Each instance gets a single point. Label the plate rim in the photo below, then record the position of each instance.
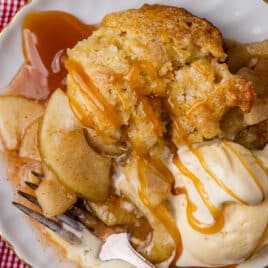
(2, 33)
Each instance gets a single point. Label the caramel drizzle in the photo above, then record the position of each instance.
(246, 166)
(120, 95)
(163, 171)
(260, 163)
(150, 114)
(160, 212)
(133, 78)
(78, 109)
(87, 87)
(176, 124)
(180, 130)
(75, 107)
(191, 208)
(155, 163)
(93, 95)
(213, 175)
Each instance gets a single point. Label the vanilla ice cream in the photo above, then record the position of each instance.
(244, 225)
(234, 180)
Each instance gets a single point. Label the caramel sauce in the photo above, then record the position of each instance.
(156, 163)
(191, 207)
(133, 78)
(144, 157)
(246, 166)
(176, 125)
(94, 96)
(215, 212)
(78, 110)
(150, 114)
(145, 68)
(121, 97)
(92, 92)
(213, 175)
(163, 170)
(160, 212)
(260, 163)
(45, 37)
(180, 130)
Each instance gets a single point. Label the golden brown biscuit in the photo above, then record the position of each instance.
(146, 70)
(159, 26)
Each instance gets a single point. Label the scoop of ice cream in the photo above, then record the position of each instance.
(221, 207)
(235, 180)
(236, 242)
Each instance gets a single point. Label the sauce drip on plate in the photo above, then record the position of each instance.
(45, 38)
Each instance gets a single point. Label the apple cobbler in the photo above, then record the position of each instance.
(154, 126)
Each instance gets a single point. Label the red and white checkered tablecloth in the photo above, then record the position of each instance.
(8, 258)
(8, 9)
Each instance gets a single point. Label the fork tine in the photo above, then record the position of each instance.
(84, 217)
(69, 221)
(32, 185)
(66, 235)
(29, 197)
(62, 218)
(37, 175)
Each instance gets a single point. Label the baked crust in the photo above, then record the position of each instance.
(159, 24)
(158, 70)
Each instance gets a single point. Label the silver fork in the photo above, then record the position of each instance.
(115, 246)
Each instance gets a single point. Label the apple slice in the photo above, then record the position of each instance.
(29, 143)
(162, 243)
(116, 211)
(97, 143)
(53, 197)
(16, 114)
(64, 149)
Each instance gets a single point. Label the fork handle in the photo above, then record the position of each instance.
(117, 247)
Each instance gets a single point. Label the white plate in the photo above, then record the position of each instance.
(243, 20)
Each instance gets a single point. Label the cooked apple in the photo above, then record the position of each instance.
(161, 245)
(29, 143)
(53, 197)
(116, 211)
(16, 114)
(65, 150)
(164, 228)
(112, 150)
